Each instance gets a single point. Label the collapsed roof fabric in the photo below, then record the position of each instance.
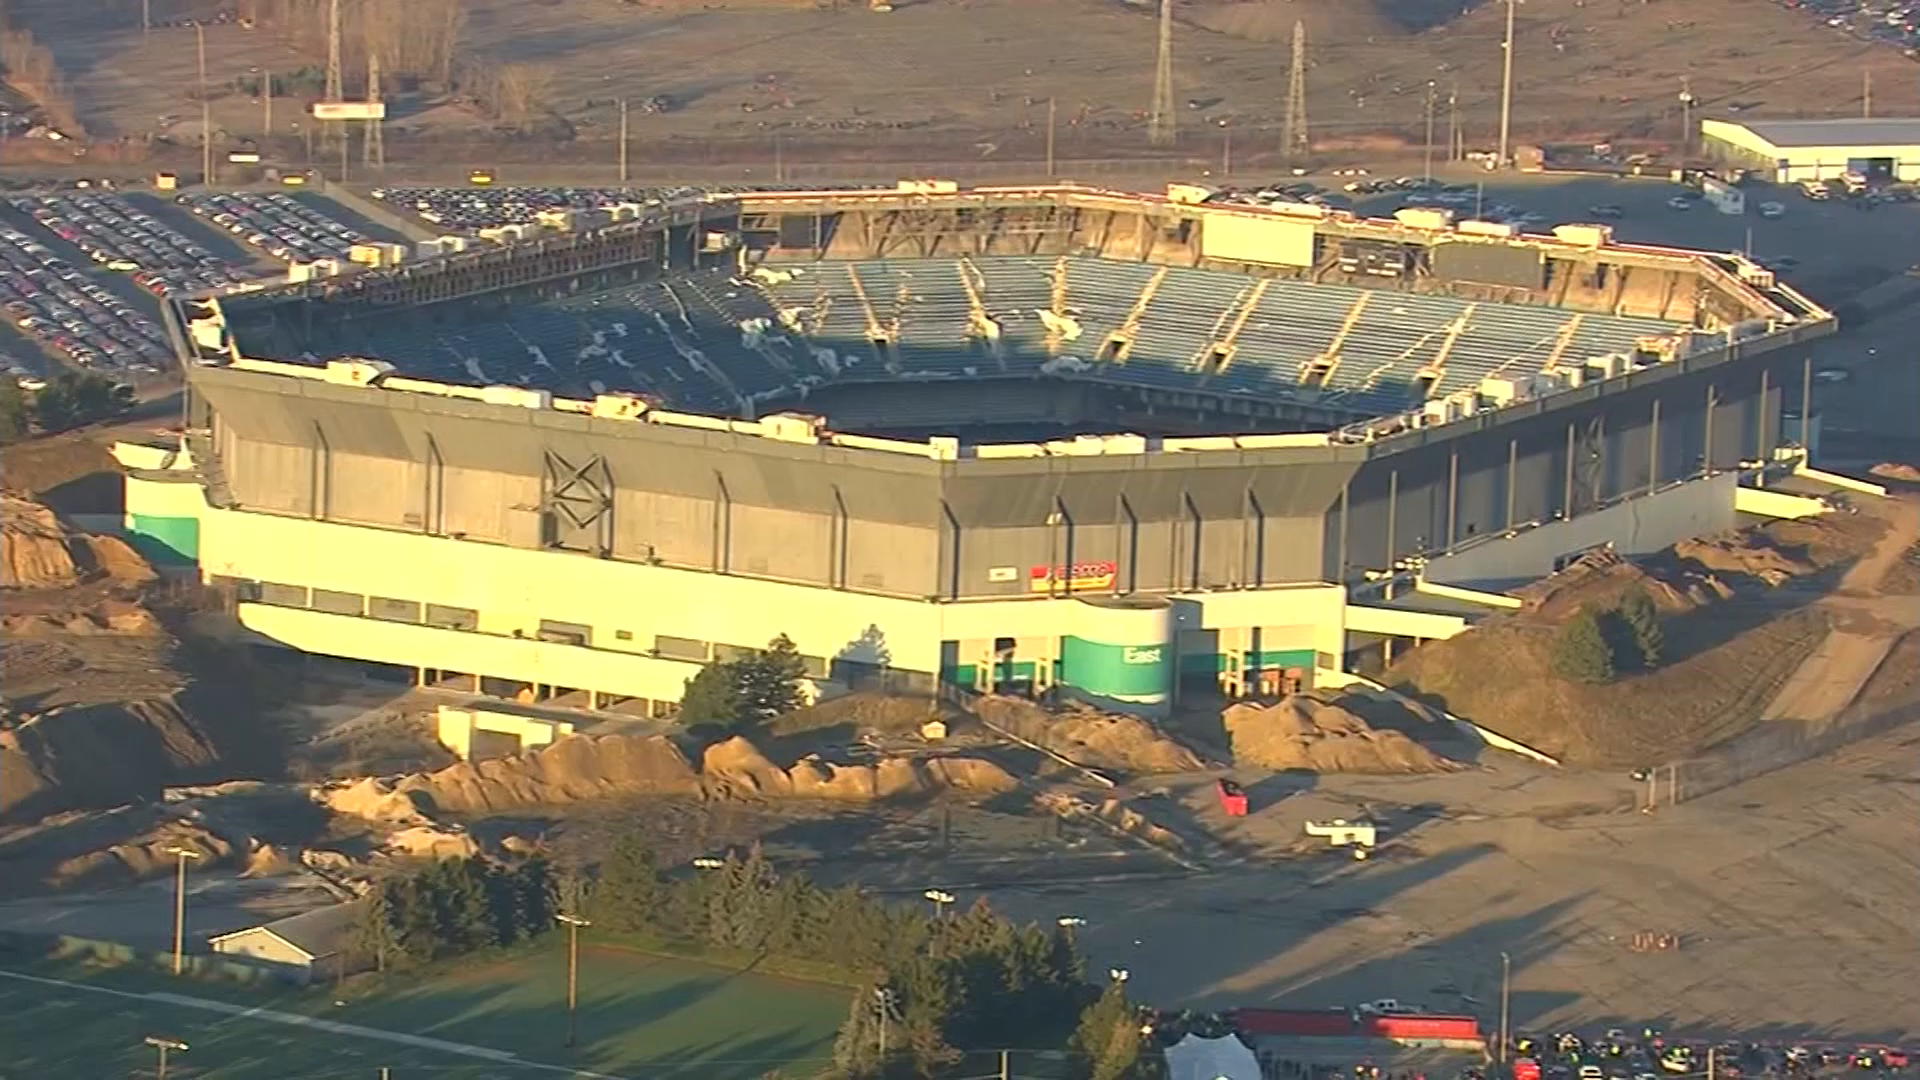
(1227, 1058)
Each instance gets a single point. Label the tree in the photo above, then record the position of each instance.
(73, 398)
(712, 698)
(1581, 651)
(14, 411)
(1642, 622)
(1108, 1038)
(630, 895)
(769, 681)
(374, 933)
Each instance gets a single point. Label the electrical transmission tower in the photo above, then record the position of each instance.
(334, 130)
(1160, 125)
(375, 144)
(1294, 127)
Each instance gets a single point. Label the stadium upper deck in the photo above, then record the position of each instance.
(750, 328)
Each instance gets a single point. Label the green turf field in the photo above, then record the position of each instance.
(639, 1016)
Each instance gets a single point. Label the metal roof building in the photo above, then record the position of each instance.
(1789, 151)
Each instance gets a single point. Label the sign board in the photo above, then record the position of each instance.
(1279, 242)
(1080, 577)
(1001, 575)
(349, 110)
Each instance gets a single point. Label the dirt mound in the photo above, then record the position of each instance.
(373, 799)
(1896, 470)
(432, 842)
(1301, 732)
(39, 551)
(146, 856)
(738, 764)
(1601, 577)
(93, 755)
(1090, 737)
(1748, 552)
(1272, 20)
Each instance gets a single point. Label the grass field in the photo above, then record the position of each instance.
(638, 1015)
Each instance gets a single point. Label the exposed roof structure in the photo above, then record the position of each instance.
(1887, 131)
(319, 933)
(710, 341)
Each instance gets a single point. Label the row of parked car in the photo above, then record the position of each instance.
(470, 209)
(54, 303)
(276, 223)
(118, 235)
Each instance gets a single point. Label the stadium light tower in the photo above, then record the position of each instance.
(1506, 88)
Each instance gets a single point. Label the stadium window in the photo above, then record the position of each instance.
(679, 648)
(729, 653)
(335, 602)
(452, 618)
(279, 595)
(385, 607)
(623, 635)
(565, 633)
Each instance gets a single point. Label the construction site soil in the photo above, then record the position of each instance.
(959, 80)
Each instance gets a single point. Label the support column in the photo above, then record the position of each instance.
(1345, 500)
(1761, 429)
(1393, 515)
(1806, 410)
(1453, 496)
(1653, 450)
(1513, 479)
(1566, 500)
(1713, 399)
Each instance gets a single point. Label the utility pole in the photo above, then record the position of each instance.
(146, 16)
(334, 92)
(623, 140)
(1004, 1073)
(181, 855)
(1866, 94)
(1051, 115)
(1226, 150)
(266, 106)
(206, 111)
(1506, 999)
(1454, 149)
(1160, 123)
(1506, 89)
(1429, 163)
(376, 144)
(574, 923)
(1293, 135)
(1686, 116)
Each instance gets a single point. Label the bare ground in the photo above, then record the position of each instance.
(973, 76)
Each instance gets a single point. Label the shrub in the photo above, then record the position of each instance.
(1642, 622)
(1581, 651)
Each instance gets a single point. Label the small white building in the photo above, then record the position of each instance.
(312, 946)
(1790, 151)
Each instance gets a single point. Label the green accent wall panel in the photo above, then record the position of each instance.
(174, 541)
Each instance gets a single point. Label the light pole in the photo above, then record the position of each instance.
(574, 923)
(940, 899)
(1506, 86)
(1119, 974)
(1686, 117)
(883, 1004)
(181, 855)
(1429, 160)
(1506, 998)
(165, 1044)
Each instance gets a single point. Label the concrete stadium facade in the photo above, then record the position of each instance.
(613, 547)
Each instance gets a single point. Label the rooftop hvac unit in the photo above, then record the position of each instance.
(1424, 217)
(429, 249)
(794, 427)
(1606, 367)
(1299, 210)
(620, 406)
(1464, 402)
(626, 211)
(356, 372)
(553, 219)
(520, 397)
(1503, 390)
(451, 244)
(1591, 236)
(365, 254)
(929, 187)
(1489, 228)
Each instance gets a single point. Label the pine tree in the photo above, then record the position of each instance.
(1642, 620)
(1108, 1038)
(1581, 651)
(769, 682)
(630, 895)
(375, 933)
(712, 700)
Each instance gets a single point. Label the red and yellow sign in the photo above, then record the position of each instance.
(1080, 577)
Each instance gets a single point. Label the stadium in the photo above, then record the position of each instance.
(1126, 446)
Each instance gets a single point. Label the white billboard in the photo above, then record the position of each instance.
(1237, 238)
(349, 110)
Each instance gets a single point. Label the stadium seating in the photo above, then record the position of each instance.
(712, 340)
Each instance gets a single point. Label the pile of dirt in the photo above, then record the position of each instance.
(1601, 577)
(1090, 737)
(1270, 21)
(1897, 470)
(1114, 815)
(99, 755)
(39, 551)
(583, 768)
(1749, 552)
(1304, 732)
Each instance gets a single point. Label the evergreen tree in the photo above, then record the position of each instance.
(1108, 1039)
(375, 934)
(15, 411)
(769, 682)
(630, 895)
(712, 699)
(1642, 622)
(1581, 651)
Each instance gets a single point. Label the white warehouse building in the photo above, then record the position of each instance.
(1790, 151)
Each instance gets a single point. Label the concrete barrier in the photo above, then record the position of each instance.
(1776, 504)
(1865, 487)
(1471, 596)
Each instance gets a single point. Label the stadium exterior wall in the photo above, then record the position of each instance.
(548, 618)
